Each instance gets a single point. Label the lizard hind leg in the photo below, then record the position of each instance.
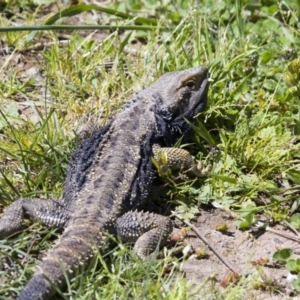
(50, 212)
(146, 230)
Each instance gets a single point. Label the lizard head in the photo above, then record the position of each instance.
(182, 95)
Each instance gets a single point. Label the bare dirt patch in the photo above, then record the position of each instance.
(244, 251)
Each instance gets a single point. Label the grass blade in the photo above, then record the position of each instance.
(78, 9)
(202, 132)
(79, 27)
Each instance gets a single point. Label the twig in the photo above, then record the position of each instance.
(291, 228)
(283, 234)
(201, 237)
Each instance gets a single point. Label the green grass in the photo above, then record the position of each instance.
(252, 119)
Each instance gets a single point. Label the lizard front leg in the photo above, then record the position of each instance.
(50, 212)
(177, 159)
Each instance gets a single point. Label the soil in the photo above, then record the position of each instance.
(249, 253)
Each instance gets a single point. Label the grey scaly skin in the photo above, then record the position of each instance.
(108, 180)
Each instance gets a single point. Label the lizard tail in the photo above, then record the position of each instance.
(75, 246)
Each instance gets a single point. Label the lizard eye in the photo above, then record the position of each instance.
(190, 84)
